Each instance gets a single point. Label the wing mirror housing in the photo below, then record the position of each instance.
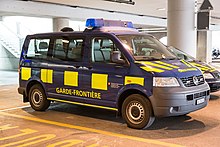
(116, 57)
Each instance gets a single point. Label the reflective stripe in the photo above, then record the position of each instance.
(151, 69)
(187, 69)
(166, 64)
(157, 65)
(99, 81)
(47, 75)
(186, 63)
(71, 78)
(83, 104)
(25, 73)
(134, 80)
(43, 75)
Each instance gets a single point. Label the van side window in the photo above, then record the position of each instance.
(68, 49)
(102, 49)
(38, 48)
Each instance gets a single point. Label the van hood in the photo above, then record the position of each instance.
(204, 67)
(169, 68)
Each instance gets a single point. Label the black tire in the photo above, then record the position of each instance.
(38, 99)
(137, 112)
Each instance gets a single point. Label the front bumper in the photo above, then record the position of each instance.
(179, 100)
(214, 84)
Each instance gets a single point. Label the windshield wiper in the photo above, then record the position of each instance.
(149, 58)
(171, 58)
(156, 58)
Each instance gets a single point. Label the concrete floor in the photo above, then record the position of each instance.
(65, 124)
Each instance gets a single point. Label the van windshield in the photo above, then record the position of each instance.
(145, 47)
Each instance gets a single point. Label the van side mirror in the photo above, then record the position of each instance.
(115, 57)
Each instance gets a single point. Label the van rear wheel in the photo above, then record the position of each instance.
(38, 99)
(137, 112)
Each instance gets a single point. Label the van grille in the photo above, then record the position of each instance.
(197, 95)
(188, 81)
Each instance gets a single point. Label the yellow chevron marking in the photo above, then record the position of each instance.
(203, 69)
(151, 69)
(212, 70)
(186, 63)
(187, 69)
(166, 64)
(211, 67)
(201, 66)
(157, 65)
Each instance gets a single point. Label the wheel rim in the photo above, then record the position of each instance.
(135, 112)
(37, 97)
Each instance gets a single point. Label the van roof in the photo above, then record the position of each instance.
(100, 30)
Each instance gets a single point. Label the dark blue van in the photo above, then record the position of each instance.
(111, 66)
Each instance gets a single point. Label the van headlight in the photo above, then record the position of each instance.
(165, 82)
(208, 75)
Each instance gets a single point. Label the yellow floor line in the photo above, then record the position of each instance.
(150, 141)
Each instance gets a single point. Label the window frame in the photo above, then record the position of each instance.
(37, 57)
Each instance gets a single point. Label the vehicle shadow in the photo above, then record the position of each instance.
(214, 96)
(106, 120)
(184, 122)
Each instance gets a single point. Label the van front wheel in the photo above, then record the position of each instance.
(137, 111)
(38, 99)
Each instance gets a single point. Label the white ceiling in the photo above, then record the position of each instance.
(141, 7)
(83, 9)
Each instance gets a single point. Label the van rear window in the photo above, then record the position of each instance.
(38, 48)
(67, 49)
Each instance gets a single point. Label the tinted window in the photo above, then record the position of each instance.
(68, 49)
(38, 48)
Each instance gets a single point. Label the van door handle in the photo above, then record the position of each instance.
(83, 68)
(71, 67)
(119, 66)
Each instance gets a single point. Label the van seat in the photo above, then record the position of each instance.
(98, 54)
(106, 49)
